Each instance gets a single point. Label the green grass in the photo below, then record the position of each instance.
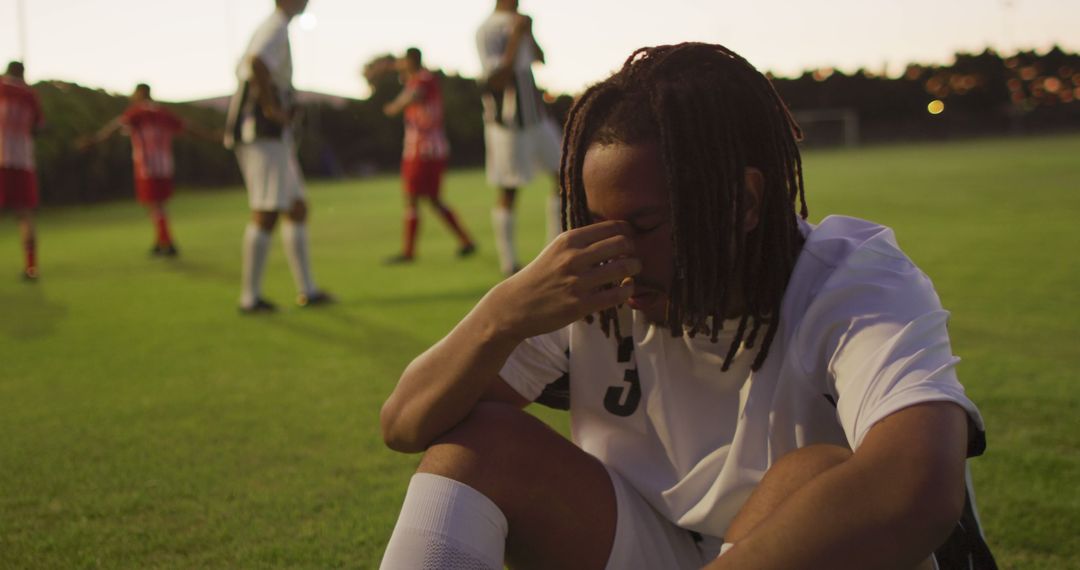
(146, 425)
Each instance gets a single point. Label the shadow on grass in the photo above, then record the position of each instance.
(38, 316)
(424, 297)
(347, 332)
(201, 270)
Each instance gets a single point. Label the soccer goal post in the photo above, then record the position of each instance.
(829, 126)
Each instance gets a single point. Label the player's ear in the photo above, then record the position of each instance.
(754, 187)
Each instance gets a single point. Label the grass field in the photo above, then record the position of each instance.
(144, 424)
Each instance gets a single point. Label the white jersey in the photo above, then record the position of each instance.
(520, 104)
(862, 335)
(269, 43)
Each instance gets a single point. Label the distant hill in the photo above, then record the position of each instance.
(221, 104)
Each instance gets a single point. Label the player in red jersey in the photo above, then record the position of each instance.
(151, 127)
(426, 150)
(20, 116)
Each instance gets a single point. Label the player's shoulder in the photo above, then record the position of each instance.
(496, 22)
(839, 240)
(277, 20)
(274, 27)
(136, 111)
(848, 254)
(16, 89)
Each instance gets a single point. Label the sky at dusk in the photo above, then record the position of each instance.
(188, 49)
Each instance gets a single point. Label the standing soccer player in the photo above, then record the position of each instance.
(20, 116)
(423, 159)
(745, 389)
(151, 127)
(259, 131)
(519, 136)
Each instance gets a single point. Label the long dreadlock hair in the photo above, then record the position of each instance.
(712, 115)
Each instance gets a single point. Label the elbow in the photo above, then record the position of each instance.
(931, 511)
(942, 511)
(396, 433)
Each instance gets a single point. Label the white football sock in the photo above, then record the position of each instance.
(554, 218)
(294, 238)
(444, 525)
(256, 247)
(502, 219)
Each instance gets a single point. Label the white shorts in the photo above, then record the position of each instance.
(645, 540)
(513, 156)
(271, 173)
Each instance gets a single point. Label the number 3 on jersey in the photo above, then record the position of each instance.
(616, 403)
(623, 400)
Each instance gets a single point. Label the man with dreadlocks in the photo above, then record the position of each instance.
(746, 390)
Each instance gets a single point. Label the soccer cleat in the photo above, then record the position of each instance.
(164, 250)
(260, 306)
(30, 274)
(315, 299)
(467, 250)
(398, 259)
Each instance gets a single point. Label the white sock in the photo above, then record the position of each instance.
(554, 218)
(256, 246)
(445, 525)
(502, 219)
(294, 238)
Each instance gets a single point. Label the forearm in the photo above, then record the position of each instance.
(512, 47)
(571, 278)
(265, 92)
(100, 136)
(399, 103)
(888, 506)
(440, 387)
(840, 520)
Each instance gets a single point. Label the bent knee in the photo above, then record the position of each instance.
(299, 211)
(491, 429)
(494, 443)
(265, 220)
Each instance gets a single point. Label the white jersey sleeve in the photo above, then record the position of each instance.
(885, 335)
(537, 363)
(491, 40)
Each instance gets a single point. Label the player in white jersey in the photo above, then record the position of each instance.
(520, 138)
(746, 390)
(258, 130)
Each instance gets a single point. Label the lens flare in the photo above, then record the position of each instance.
(308, 22)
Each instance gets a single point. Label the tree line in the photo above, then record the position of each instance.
(978, 94)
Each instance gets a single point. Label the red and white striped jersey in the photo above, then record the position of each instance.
(151, 128)
(425, 137)
(20, 114)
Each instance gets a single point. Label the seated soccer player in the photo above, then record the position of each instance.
(746, 389)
